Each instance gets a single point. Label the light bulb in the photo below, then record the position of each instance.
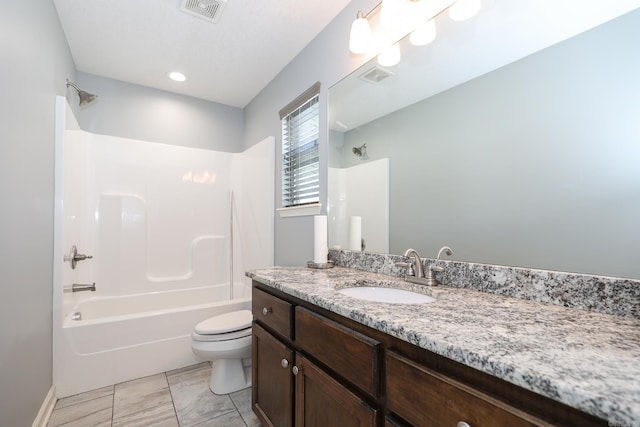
(464, 9)
(392, 14)
(390, 56)
(360, 37)
(424, 34)
(176, 76)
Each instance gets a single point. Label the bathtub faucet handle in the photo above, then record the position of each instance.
(74, 257)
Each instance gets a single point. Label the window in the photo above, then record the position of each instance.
(300, 158)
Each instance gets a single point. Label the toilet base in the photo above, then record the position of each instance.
(230, 375)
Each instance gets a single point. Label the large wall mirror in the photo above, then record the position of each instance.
(512, 149)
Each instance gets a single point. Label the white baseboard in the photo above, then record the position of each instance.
(46, 409)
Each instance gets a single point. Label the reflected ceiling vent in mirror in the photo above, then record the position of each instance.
(375, 75)
(205, 9)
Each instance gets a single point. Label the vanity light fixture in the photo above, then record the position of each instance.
(392, 14)
(390, 56)
(462, 10)
(177, 76)
(360, 36)
(391, 20)
(424, 34)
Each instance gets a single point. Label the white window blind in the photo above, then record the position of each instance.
(300, 157)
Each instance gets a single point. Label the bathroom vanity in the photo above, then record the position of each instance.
(467, 359)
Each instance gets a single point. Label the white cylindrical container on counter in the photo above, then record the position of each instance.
(355, 233)
(320, 248)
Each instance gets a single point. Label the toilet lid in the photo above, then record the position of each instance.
(235, 335)
(228, 322)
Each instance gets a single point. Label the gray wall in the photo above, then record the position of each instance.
(132, 111)
(534, 164)
(325, 59)
(35, 62)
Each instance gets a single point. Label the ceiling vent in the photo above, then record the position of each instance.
(205, 9)
(375, 75)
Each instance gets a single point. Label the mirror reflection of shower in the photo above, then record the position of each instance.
(85, 98)
(360, 151)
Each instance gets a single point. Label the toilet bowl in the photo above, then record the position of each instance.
(225, 340)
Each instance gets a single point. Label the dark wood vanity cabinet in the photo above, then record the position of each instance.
(314, 368)
(288, 387)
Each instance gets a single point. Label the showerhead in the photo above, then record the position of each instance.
(85, 97)
(360, 151)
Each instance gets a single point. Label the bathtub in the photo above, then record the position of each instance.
(126, 337)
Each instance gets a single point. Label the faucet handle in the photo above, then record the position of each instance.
(435, 268)
(407, 265)
(74, 257)
(431, 275)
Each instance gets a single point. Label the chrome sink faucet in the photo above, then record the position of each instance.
(419, 276)
(418, 270)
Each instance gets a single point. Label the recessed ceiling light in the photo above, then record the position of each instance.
(176, 76)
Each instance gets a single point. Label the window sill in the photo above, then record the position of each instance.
(304, 210)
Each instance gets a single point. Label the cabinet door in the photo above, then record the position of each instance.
(321, 401)
(272, 393)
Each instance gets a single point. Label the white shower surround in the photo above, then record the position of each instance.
(360, 190)
(156, 219)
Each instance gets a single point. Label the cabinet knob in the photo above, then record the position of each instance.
(295, 370)
(266, 310)
(463, 424)
(284, 363)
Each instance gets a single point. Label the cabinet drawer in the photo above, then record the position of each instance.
(426, 398)
(350, 354)
(272, 312)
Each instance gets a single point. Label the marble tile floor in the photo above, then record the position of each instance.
(179, 398)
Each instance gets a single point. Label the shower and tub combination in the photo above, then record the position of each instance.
(163, 234)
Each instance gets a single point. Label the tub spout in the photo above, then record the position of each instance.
(78, 287)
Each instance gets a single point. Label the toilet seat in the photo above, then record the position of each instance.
(224, 327)
(222, 337)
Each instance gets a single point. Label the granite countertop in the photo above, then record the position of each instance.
(587, 360)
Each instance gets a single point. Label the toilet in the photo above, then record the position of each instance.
(225, 340)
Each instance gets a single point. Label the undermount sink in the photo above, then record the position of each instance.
(388, 295)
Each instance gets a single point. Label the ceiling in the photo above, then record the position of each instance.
(228, 62)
